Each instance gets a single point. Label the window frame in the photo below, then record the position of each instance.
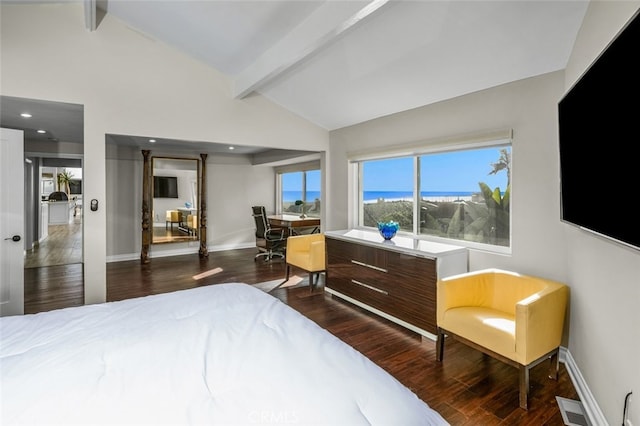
(294, 168)
(497, 139)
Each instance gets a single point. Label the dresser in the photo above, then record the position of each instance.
(395, 279)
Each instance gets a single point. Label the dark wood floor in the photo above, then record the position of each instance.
(466, 389)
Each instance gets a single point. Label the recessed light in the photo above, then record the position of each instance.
(232, 148)
(42, 131)
(26, 115)
(152, 140)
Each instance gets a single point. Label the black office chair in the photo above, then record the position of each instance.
(270, 242)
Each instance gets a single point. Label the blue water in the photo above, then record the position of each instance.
(291, 196)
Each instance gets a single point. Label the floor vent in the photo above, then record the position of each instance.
(572, 412)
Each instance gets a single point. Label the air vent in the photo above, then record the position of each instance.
(572, 412)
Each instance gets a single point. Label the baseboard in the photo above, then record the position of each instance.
(591, 407)
(123, 257)
(177, 252)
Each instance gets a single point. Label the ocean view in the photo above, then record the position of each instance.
(373, 196)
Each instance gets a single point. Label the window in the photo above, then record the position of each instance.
(460, 195)
(297, 186)
(387, 192)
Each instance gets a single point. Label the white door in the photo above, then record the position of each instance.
(11, 222)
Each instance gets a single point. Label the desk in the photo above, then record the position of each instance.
(292, 221)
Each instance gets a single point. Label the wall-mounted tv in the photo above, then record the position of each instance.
(599, 130)
(165, 187)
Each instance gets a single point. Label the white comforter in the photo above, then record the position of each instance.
(220, 354)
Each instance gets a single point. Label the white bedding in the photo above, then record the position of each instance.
(216, 355)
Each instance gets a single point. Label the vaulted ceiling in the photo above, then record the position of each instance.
(339, 63)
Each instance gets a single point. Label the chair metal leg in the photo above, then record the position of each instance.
(314, 277)
(286, 277)
(440, 345)
(554, 365)
(524, 387)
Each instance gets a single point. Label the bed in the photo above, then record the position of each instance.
(216, 355)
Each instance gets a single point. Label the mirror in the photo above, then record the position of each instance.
(174, 200)
(195, 208)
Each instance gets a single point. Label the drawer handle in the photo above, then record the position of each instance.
(370, 287)
(366, 265)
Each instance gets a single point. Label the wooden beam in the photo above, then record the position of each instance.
(315, 33)
(90, 9)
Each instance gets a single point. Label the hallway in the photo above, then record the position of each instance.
(63, 246)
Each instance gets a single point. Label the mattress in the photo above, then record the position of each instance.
(226, 354)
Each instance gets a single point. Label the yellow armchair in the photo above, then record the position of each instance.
(192, 224)
(306, 252)
(173, 216)
(517, 319)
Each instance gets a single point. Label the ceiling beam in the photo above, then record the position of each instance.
(90, 21)
(320, 29)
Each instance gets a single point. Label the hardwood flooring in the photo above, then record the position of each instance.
(163, 234)
(467, 388)
(63, 245)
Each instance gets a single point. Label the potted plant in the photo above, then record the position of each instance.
(302, 205)
(63, 181)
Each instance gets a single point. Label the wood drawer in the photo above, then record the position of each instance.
(357, 252)
(416, 275)
(416, 309)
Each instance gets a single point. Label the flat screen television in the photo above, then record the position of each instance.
(599, 131)
(165, 187)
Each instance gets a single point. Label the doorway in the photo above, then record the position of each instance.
(53, 132)
(59, 211)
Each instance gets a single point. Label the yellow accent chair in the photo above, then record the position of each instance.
(192, 224)
(173, 216)
(307, 252)
(517, 319)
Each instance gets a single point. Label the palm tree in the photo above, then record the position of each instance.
(503, 163)
(63, 181)
(488, 223)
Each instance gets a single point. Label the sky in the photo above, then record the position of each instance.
(452, 171)
(293, 181)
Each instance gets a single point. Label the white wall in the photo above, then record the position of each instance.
(605, 308)
(129, 84)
